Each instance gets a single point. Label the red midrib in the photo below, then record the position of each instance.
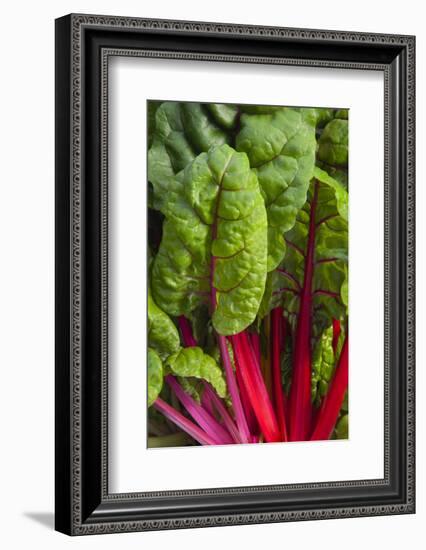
(240, 418)
(300, 393)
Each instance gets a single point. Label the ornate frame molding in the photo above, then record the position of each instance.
(73, 517)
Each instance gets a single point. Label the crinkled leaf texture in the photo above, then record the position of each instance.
(194, 363)
(182, 130)
(163, 335)
(280, 143)
(214, 245)
(333, 143)
(155, 375)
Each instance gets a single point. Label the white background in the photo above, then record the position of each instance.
(26, 229)
(132, 80)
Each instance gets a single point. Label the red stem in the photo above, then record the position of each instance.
(186, 331)
(336, 333)
(330, 408)
(255, 342)
(255, 386)
(233, 391)
(223, 412)
(183, 423)
(248, 410)
(276, 342)
(209, 424)
(300, 392)
(207, 403)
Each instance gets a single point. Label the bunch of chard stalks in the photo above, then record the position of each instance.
(262, 411)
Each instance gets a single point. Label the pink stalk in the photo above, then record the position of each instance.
(233, 391)
(256, 387)
(223, 412)
(255, 342)
(207, 403)
(276, 342)
(300, 392)
(183, 423)
(330, 408)
(248, 410)
(186, 331)
(209, 424)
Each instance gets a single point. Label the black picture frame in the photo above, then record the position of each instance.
(83, 45)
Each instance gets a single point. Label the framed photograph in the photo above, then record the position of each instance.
(234, 274)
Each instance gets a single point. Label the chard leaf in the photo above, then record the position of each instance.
(152, 107)
(260, 109)
(286, 364)
(322, 365)
(224, 114)
(155, 375)
(200, 131)
(330, 255)
(323, 116)
(271, 297)
(333, 143)
(344, 290)
(163, 335)
(342, 427)
(342, 113)
(182, 130)
(194, 363)
(340, 191)
(214, 245)
(280, 144)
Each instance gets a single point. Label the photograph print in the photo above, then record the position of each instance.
(248, 318)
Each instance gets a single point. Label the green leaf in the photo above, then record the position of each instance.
(342, 427)
(322, 365)
(163, 335)
(155, 376)
(214, 236)
(344, 290)
(224, 114)
(287, 364)
(340, 191)
(169, 152)
(200, 130)
(333, 143)
(193, 386)
(152, 107)
(342, 113)
(271, 297)
(281, 148)
(319, 116)
(193, 362)
(259, 109)
(182, 130)
(201, 325)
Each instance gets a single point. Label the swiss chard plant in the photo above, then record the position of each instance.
(248, 274)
